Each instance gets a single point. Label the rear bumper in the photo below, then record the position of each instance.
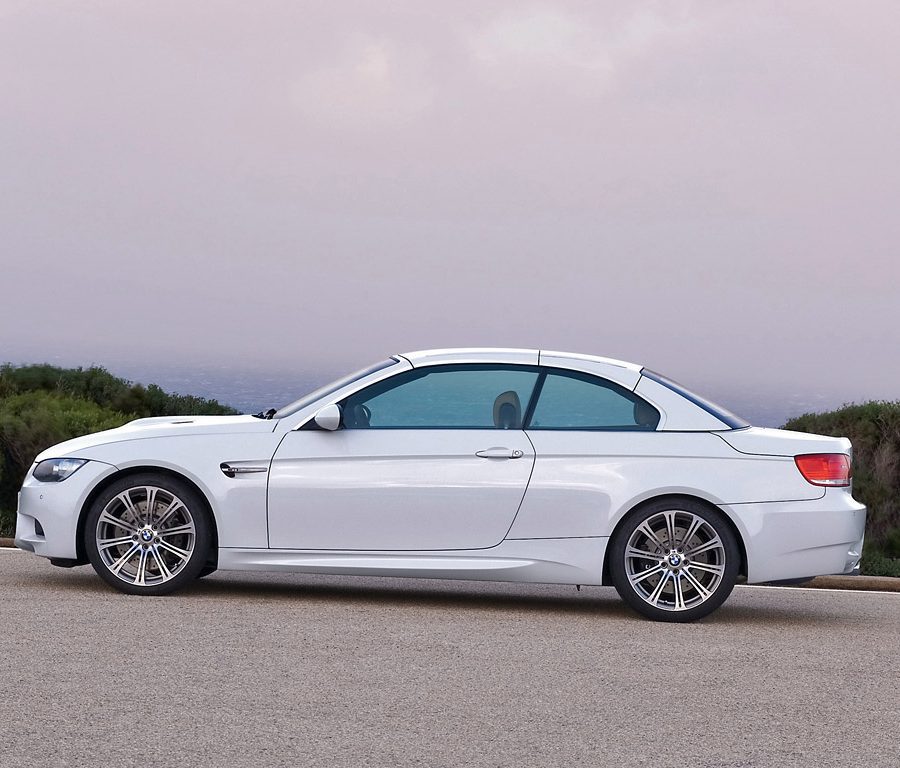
(47, 519)
(801, 539)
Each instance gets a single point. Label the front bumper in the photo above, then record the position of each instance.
(47, 518)
(801, 539)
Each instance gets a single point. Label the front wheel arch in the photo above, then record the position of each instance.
(212, 561)
(675, 498)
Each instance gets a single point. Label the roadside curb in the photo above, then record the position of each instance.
(869, 583)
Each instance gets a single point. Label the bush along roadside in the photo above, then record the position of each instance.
(41, 405)
(874, 430)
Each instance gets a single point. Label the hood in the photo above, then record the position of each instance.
(762, 441)
(159, 426)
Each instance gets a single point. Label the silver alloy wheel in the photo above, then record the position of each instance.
(145, 535)
(675, 560)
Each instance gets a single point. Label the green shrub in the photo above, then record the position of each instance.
(33, 421)
(875, 563)
(41, 405)
(99, 386)
(874, 430)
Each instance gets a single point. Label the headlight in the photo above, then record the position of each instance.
(57, 470)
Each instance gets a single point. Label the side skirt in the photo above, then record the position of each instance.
(543, 561)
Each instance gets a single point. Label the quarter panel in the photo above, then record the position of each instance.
(584, 482)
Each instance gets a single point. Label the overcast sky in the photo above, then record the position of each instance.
(709, 188)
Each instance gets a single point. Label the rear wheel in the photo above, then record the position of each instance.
(148, 534)
(674, 560)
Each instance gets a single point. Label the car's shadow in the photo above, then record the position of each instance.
(600, 602)
(473, 595)
(485, 596)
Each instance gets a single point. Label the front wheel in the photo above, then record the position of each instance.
(674, 560)
(148, 534)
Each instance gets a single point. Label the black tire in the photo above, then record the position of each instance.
(681, 582)
(169, 545)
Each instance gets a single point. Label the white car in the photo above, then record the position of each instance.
(491, 464)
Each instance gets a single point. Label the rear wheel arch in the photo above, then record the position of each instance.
(674, 498)
(144, 469)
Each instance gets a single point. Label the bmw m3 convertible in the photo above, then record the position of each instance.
(492, 464)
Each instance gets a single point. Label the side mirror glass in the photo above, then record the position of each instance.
(328, 417)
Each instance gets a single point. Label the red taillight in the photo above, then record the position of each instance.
(825, 468)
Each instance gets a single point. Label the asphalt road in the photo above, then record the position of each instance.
(251, 670)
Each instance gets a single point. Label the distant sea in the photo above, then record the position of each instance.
(245, 390)
(252, 391)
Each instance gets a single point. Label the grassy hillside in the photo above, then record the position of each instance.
(874, 430)
(41, 405)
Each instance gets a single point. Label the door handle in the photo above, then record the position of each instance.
(499, 453)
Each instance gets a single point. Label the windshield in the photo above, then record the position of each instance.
(321, 392)
(722, 414)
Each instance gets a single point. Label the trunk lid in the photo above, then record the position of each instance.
(762, 441)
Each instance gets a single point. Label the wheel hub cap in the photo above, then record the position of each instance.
(145, 535)
(675, 560)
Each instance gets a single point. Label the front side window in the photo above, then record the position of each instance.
(444, 397)
(576, 401)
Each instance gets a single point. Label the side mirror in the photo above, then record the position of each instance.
(328, 417)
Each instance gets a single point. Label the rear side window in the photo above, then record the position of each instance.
(576, 401)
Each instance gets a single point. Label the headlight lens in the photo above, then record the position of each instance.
(57, 470)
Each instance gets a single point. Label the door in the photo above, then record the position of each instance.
(431, 459)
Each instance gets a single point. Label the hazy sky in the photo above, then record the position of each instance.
(709, 188)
